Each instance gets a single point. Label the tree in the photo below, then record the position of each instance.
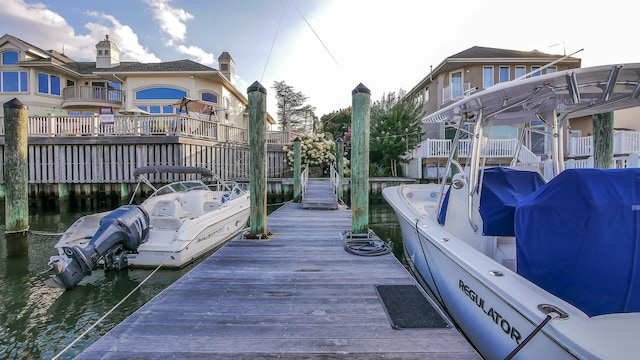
(337, 123)
(293, 113)
(395, 129)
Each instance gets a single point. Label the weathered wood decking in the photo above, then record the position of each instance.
(298, 295)
(320, 195)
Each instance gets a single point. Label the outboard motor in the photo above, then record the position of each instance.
(120, 232)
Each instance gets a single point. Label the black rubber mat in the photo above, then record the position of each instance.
(408, 308)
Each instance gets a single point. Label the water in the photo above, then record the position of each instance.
(38, 322)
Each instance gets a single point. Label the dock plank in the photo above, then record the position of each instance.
(297, 295)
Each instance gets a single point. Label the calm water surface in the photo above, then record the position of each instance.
(38, 322)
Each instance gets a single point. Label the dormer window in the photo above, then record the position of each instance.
(9, 58)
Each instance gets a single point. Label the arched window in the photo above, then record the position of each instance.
(160, 93)
(209, 97)
(9, 58)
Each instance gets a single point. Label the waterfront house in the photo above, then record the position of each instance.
(81, 141)
(479, 68)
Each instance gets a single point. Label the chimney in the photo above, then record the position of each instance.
(227, 67)
(108, 54)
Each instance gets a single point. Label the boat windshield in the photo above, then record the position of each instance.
(181, 186)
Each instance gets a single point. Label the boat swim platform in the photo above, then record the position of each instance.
(297, 295)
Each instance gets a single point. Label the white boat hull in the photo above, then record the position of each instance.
(172, 242)
(209, 235)
(493, 306)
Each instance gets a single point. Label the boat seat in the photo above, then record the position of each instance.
(164, 208)
(165, 223)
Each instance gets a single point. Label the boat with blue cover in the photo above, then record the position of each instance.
(532, 260)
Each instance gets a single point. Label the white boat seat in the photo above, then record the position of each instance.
(164, 208)
(165, 223)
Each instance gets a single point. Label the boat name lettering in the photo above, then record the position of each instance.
(209, 235)
(493, 314)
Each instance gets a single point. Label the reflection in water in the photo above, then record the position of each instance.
(38, 321)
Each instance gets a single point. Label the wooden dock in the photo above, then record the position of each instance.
(297, 295)
(320, 195)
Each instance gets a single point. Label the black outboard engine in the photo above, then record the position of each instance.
(120, 232)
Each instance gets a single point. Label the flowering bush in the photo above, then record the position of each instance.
(315, 150)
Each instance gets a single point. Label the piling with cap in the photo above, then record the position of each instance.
(360, 120)
(257, 96)
(16, 177)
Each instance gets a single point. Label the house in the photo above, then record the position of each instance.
(479, 68)
(476, 69)
(46, 80)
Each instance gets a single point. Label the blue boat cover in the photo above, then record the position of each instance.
(502, 190)
(578, 238)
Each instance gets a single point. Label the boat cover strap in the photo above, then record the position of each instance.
(578, 237)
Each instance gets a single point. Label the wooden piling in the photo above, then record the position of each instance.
(360, 119)
(340, 166)
(16, 177)
(603, 140)
(257, 95)
(297, 165)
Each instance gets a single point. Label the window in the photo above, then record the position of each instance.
(48, 84)
(535, 71)
(9, 58)
(520, 72)
(503, 76)
(487, 77)
(158, 109)
(210, 97)
(552, 69)
(426, 95)
(160, 93)
(456, 85)
(13, 81)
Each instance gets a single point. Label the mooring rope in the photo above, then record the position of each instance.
(367, 246)
(116, 305)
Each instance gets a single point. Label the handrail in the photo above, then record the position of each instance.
(304, 179)
(335, 179)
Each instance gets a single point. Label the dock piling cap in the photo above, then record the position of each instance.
(14, 104)
(256, 86)
(361, 89)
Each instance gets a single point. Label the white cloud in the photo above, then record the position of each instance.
(123, 36)
(53, 30)
(197, 54)
(172, 20)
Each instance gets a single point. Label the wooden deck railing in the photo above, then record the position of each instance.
(136, 125)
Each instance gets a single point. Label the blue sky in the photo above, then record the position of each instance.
(323, 48)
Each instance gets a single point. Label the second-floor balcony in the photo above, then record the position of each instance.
(624, 142)
(90, 96)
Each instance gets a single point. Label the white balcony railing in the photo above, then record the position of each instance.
(624, 142)
(131, 125)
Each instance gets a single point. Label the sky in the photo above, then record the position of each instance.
(323, 48)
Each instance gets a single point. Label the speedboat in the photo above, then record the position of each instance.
(531, 260)
(178, 223)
